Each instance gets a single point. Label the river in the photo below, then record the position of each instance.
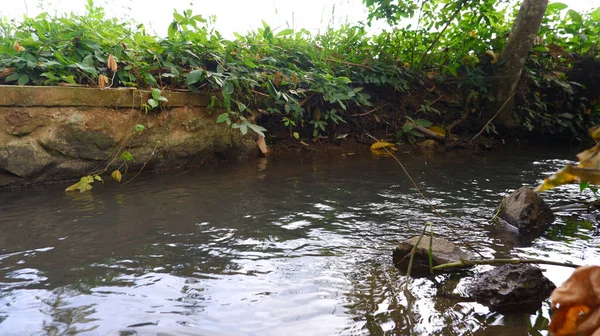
(297, 245)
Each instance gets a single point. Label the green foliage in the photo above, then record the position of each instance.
(409, 132)
(312, 83)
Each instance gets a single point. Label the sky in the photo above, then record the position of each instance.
(232, 15)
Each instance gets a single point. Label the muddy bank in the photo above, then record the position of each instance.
(59, 133)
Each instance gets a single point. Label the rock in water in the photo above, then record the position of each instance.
(443, 252)
(512, 287)
(526, 210)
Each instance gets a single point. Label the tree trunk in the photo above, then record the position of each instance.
(512, 62)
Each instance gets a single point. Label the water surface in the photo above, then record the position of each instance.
(290, 246)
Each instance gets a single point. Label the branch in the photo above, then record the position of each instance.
(437, 38)
(464, 262)
(371, 111)
(493, 117)
(349, 63)
(412, 256)
(429, 133)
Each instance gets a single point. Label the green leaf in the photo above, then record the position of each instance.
(153, 103)
(595, 15)
(423, 123)
(273, 91)
(24, 79)
(126, 156)
(13, 77)
(575, 16)
(139, 128)
(156, 94)
(223, 117)
(257, 129)
(228, 87)
(173, 27)
(556, 6)
(296, 135)
(407, 127)
(285, 32)
(195, 76)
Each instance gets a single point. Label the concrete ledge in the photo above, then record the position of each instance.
(57, 96)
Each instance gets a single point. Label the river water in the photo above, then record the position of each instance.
(291, 246)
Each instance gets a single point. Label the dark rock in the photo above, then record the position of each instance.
(24, 158)
(525, 210)
(443, 252)
(510, 287)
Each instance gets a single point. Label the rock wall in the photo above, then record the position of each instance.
(60, 133)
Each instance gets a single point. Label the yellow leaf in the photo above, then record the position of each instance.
(437, 130)
(18, 47)
(561, 177)
(262, 145)
(494, 56)
(116, 175)
(84, 184)
(382, 144)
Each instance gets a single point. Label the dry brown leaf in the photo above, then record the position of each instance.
(576, 304)
(494, 55)
(262, 145)
(18, 47)
(277, 78)
(111, 63)
(102, 81)
(7, 71)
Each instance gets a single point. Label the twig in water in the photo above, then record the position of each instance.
(464, 262)
(433, 209)
(412, 257)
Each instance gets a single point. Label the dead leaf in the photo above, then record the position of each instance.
(18, 47)
(495, 56)
(84, 184)
(103, 81)
(277, 78)
(116, 175)
(111, 63)
(576, 304)
(437, 130)
(262, 145)
(381, 145)
(7, 71)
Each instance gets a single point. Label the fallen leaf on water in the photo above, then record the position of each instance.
(381, 145)
(576, 304)
(84, 184)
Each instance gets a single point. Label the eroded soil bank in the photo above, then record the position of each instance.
(60, 133)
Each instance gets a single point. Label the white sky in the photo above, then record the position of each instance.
(232, 15)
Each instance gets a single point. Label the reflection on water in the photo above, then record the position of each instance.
(293, 246)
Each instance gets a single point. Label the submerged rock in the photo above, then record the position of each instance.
(512, 287)
(443, 252)
(526, 211)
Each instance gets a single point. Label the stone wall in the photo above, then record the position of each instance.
(59, 133)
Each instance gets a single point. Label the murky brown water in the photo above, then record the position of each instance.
(294, 246)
